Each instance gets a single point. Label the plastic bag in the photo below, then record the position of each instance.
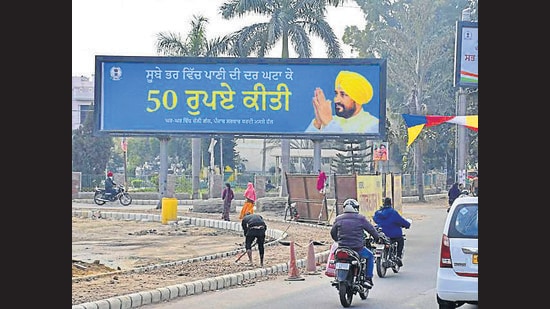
(330, 269)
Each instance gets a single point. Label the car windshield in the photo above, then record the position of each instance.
(465, 221)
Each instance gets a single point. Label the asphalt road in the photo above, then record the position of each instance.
(412, 287)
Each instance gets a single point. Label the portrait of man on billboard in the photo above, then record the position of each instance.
(380, 152)
(351, 91)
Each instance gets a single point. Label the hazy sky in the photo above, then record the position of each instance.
(129, 27)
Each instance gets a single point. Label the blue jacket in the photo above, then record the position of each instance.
(454, 192)
(348, 228)
(390, 221)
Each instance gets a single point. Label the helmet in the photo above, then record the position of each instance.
(351, 205)
(387, 202)
(110, 174)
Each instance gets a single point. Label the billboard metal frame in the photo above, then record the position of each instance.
(122, 95)
(466, 55)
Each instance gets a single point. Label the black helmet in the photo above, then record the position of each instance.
(351, 205)
(387, 201)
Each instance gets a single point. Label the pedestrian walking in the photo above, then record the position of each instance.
(227, 197)
(250, 199)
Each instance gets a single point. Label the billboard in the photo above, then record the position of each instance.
(242, 97)
(466, 55)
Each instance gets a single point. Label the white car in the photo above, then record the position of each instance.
(457, 274)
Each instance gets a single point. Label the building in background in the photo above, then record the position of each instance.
(83, 99)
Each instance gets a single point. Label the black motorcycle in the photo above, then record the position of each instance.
(350, 273)
(100, 197)
(385, 255)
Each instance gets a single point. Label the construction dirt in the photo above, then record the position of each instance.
(103, 249)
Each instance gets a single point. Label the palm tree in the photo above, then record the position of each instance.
(290, 21)
(195, 44)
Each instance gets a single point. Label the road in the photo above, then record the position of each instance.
(412, 287)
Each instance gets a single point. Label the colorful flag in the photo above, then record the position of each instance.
(415, 123)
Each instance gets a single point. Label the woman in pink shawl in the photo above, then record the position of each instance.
(321, 179)
(250, 196)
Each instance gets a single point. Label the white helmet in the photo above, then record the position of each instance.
(351, 205)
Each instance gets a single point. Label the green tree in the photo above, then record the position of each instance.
(228, 148)
(289, 22)
(417, 37)
(353, 157)
(195, 44)
(90, 153)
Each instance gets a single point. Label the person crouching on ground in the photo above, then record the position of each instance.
(254, 227)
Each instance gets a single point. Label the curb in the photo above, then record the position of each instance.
(135, 300)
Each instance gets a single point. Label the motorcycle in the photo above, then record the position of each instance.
(100, 197)
(349, 273)
(385, 254)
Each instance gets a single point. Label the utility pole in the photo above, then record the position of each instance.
(462, 145)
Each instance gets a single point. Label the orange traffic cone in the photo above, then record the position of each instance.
(311, 264)
(293, 273)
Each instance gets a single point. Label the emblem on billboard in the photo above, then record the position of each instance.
(116, 73)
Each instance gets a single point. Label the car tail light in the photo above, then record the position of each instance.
(445, 253)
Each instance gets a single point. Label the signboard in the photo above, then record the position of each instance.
(369, 193)
(466, 55)
(380, 151)
(254, 97)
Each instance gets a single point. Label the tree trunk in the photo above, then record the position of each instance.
(419, 170)
(418, 160)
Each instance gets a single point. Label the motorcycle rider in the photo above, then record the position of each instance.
(110, 185)
(269, 185)
(391, 223)
(347, 231)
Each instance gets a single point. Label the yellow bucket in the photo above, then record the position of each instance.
(169, 209)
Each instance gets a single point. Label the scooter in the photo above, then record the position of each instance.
(100, 197)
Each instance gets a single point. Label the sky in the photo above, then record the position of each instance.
(129, 27)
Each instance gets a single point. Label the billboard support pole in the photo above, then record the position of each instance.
(163, 171)
(317, 155)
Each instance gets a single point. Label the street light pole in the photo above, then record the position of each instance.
(461, 130)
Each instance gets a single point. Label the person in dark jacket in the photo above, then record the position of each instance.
(453, 193)
(110, 184)
(254, 227)
(392, 223)
(347, 231)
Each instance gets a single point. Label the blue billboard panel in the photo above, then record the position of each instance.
(240, 96)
